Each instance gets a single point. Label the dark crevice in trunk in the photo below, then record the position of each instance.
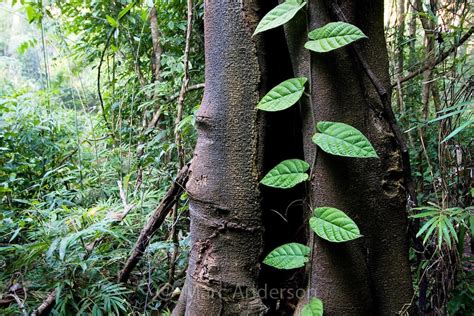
(282, 210)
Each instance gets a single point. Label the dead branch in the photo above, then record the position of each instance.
(20, 303)
(47, 304)
(190, 88)
(127, 207)
(155, 221)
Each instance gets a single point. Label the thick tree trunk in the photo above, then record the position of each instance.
(370, 275)
(226, 220)
(367, 276)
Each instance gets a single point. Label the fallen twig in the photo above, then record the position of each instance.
(20, 303)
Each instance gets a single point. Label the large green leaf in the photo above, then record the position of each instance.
(279, 15)
(287, 174)
(332, 36)
(283, 96)
(313, 308)
(343, 140)
(333, 225)
(288, 256)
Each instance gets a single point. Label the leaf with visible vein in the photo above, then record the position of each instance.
(283, 95)
(333, 36)
(286, 174)
(288, 256)
(313, 308)
(279, 15)
(343, 140)
(333, 225)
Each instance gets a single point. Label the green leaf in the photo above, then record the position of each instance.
(425, 214)
(429, 232)
(112, 21)
(62, 248)
(459, 129)
(471, 224)
(279, 15)
(333, 225)
(445, 231)
(288, 256)
(31, 13)
(287, 174)
(452, 230)
(343, 140)
(126, 9)
(440, 233)
(425, 226)
(332, 36)
(450, 114)
(283, 95)
(313, 308)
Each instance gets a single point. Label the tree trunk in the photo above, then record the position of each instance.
(226, 220)
(429, 41)
(399, 52)
(368, 276)
(371, 275)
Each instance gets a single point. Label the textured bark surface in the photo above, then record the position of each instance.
(235, 144)
(370, 275)
(283, 217)
(226, 220)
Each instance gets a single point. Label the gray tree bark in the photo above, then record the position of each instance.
(370, 275)
(226, 220)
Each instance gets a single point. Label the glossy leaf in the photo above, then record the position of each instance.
(332, 36)
(287, 174)
(333, 225)
(343, 140)
(288, 256)
(313, 308)
(279, 15)
(283, 95)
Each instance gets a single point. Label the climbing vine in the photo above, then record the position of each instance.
(334, 138)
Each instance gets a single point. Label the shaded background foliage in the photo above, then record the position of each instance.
(65, 154)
